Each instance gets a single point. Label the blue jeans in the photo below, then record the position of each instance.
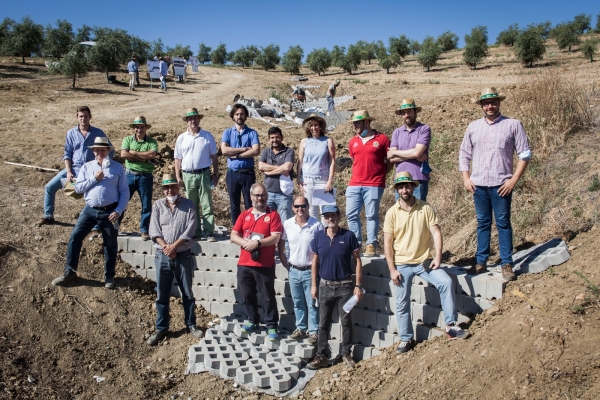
(143, 185)
(420, 191)
(437, 277)
(370, 196)
(330, 103)
(88, 219)
(50, 193)
(282, 204)
(307, 314)
(163, 82)
(487, 200)
(182, 269)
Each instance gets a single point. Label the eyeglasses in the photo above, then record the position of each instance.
(493, 103)
(259, 195)
(330, 216)
(300, 205)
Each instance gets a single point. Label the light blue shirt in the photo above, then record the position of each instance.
(247, 138)
(111, 189)
(132, 66)
(164, 68)
(76, 146)
(317, 159)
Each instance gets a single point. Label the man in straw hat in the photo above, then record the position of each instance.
(240, 145)
(368, 150)
(77, 152)
(106, 195)
(486, 163)
(139, 151)
(195, 152)
(409, 227)
(172, 227)
(331, 95)
(410, 147)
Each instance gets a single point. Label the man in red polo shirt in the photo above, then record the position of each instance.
(368, 150)
(257, 231)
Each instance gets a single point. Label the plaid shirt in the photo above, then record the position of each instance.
(487, 150)
(180, 223)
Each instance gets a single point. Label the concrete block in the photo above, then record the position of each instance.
(151, 274)
(285, 304)
(292, 371)
(365, 336)
(137, 245)
(336, 331)
(304, 350)
(467, 304)
(149, 262)
(213, 293)
(420, 332)
(203, 263)
(494, 288)
(217, 356)
(122, 243)
(141, 272)
(287, 322)
(175, 291)
(361, 353)
(282, 288)
(433, 316)
(230, 295)
(204, 304)
(284, 359)
(264, 374)
(386, 339)
(226, 325)
(288, 346)
(271, 344)
(484, 304)
(378, 303)
(335, 347)
(436, 332)
(382, 286)
(257, 337)
(198, 278)
(420, 281)
(376, 267)
(364, 318)
(431, 296)
(238, 331)
(281, 272)
(258, 351)
(375, 352)
(416, 312)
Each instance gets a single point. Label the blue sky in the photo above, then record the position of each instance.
(310, 24)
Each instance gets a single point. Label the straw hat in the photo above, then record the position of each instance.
(101, 143)
(192, 112)
(169, 179)
(489, 93)
(319, 119)
(141, 120)
(361, 115)
(404, 177)
(406, 104)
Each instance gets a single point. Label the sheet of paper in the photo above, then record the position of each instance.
(323, 198)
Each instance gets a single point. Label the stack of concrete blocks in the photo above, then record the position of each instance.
(335, 118)
(321, 103)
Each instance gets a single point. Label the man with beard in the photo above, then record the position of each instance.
(257, 231)
(240, 145)
(410, 148)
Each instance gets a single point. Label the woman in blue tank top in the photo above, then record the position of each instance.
(316, 161)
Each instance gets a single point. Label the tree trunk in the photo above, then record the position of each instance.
(388, 70)
(428, 68)
(107, 81)
(73, 87)
(23, 59)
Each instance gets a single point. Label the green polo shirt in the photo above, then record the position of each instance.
(130, 143)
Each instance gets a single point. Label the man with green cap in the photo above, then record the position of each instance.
(139, 151)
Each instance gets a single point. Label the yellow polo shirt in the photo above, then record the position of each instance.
(412, 238)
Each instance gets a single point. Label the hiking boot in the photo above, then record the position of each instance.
(370, 251)
(197, 333)
(318, 362)
(476, 269)
(273, 335)
(109, 282)
(156, 336)
(404, 347)
(210, 238)
(249, 327)
(297, 335)
(313, 339)
(145, 236)
(456, 332)
(347, 359)
(46, 221)
(507, 273)
(65, 278)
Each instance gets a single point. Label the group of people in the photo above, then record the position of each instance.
(311, 244)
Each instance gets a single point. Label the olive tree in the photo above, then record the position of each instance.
(292, 59)
(476, 47)
(429, 54)
(58, 41)
(530, 45)
(319, 60)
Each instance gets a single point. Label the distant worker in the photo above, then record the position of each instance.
(368, 150)
(410, 224)
(410, 148)
(195, 152)
(104, 183)
(298, 94)
(331, 94)
(139, 152)
(132, 67)
(240, 145)
(77, 152)
(137, 73)
(164, 71)
(171, 228)
(486, 163)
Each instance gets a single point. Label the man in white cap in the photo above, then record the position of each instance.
(106, 195)
(486, 162)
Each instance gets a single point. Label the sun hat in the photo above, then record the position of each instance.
(141, 120)
(406, 104)
(361, 115)
(404, 177)
(169, 179)
(101, 142)
(489, 93)
(192, 112)
(319, 119)
(329, 209)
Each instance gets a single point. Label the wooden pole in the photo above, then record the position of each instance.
(32, 166)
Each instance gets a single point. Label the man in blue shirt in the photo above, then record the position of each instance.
(240, 145)
(77, 153)
(132, 68)
(104, 183)
(333, 250)
(164, 71)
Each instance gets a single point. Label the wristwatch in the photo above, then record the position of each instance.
(359, 286)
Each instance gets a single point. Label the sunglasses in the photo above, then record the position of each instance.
(300, 205)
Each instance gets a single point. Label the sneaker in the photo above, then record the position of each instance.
(46, 221)
(507, 273)
(476, 269)
(65, 278)
(456, 332)
(211, 238)
(370, 251)
(249, 327)
(197, 333)
(273, 335)
(156, 336)
(109, 282)
(297, 335)
(318, 362)
(313, 339)
(404, 347)
(347, 359)
(145, 236)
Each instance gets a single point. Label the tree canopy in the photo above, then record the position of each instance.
(219, 55)
(204, 53)
(268, 57)
(530, 45)
(476, 47)
(448, 41)
(589, 48)
(509, 36)
(319, 60)
(430, 53)
(566, 35)
(58, 41)
(400, 46)
(292, 59)
(23, 38)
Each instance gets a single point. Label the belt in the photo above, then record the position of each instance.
(196, 171)
(299, 268)
(137, 173)
(242, 170)
(326, 282)
(108, 207)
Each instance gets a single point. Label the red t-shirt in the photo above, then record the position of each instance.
(246, 225)
(368, 160)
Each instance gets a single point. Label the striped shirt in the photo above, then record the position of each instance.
(488, 149)
(171, 225)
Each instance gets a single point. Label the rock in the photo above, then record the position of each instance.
(493, 310)
(571, 248)
(580, 296)
(394, 369)
(38, 238)
(317, 393)
(336, 375)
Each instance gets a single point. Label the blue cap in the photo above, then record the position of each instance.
(330, 209)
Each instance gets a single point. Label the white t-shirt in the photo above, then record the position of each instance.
(195, 151)
(299, 239)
